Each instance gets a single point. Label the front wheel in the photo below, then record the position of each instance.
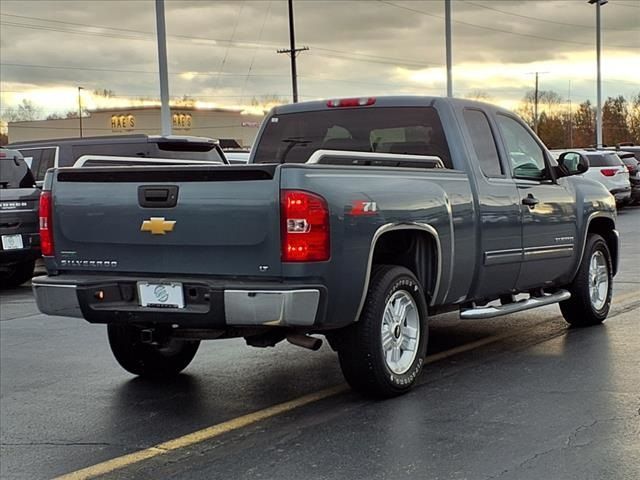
(382, 354)
(166, 358)
(592, 287)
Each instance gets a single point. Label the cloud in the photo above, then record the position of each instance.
(225, 51)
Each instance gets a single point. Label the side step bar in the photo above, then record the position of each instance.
(527, 304)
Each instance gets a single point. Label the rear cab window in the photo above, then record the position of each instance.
(294, 137)
(14, 172)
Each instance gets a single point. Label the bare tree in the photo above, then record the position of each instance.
(24, 112)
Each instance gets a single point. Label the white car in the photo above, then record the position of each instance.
(604, 167)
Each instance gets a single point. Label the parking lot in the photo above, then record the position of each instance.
(514, 397)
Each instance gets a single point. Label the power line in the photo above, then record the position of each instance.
(625, 5)
(253, 57)
(118, 70)
(539, 19)
(150, 36)
(492, 29)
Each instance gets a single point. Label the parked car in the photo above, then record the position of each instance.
(356, 219)
(42, 155)
(633, 166)
(18, 220)
(605, 167)
(628, 147)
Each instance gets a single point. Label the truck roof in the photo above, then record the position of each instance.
(385, 101)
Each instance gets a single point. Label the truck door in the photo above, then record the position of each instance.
(548, 208)
(500, 235)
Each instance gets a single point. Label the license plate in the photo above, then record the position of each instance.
(162, 295)
(12, 242)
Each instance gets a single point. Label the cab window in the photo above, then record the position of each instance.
(526, 156)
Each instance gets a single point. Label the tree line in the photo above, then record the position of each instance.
(561, 126)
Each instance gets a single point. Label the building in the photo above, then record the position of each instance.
(215, 123)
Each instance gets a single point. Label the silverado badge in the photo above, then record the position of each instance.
(157, 226)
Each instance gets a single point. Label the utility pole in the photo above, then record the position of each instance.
(598, 3)
(570, 119)
(80, 108)
(293, 52)
(165, 111)
(535, 102)
(535, 108)
(447, 17)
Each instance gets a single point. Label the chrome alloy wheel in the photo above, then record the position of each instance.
(400, 332)
(598, 280)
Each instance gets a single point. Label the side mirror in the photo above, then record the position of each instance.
(572, 163)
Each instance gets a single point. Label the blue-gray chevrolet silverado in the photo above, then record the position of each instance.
(356, 219)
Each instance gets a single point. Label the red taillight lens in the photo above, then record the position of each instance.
(609, 172)
(46, 225)
(305, 227)
(352, 102)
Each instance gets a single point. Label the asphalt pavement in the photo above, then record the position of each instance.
(517, 397)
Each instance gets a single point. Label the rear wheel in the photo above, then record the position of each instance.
(17, 274)
(382, 354)
(165, 358)
(591, 289)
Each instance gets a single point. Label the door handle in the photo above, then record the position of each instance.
(530, 201)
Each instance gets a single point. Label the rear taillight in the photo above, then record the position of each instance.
(352, 102)
(305, 227)
(609, 172)
(46, 225)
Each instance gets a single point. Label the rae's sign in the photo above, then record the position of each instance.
(127, 122)
(122, 122)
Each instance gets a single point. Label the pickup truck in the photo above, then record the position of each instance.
(20, 246)
(355, 219)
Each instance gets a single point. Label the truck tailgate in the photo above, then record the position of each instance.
(118, 220)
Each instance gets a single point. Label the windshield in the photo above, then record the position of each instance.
(294, 137)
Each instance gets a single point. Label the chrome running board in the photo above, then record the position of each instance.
(527, 304)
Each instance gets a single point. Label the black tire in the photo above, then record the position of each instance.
(360, 347)
(149, 360)
(18, 274)
(579, 310)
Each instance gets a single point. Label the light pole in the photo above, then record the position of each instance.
(447, 20)
(598, 4)
(165, 111)
(80, 108)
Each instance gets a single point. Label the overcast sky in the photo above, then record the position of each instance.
(224, 52)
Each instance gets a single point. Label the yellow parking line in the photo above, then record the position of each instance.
(254, 417)
(237, 423)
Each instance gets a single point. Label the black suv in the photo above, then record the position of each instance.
(19, 227)
(42, 155)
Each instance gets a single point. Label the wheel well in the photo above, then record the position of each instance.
(605, 228)
(414, 249)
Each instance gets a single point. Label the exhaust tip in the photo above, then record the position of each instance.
(304, 341)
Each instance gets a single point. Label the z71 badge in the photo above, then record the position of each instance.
(360, 207)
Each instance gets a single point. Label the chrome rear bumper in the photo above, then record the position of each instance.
(242, 307)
